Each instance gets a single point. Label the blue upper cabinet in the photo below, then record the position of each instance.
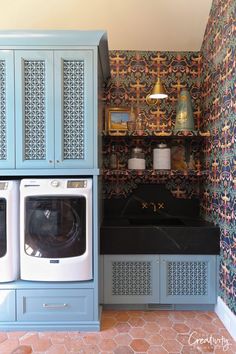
(74, 113)
(34, 109)
(53, 87)
(7, 128)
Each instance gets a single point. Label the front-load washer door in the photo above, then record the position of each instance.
(3, 227)
(55, 226)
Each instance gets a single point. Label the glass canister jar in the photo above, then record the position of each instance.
(161, 157)
(137, 159)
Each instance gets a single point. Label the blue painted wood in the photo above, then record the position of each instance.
(184, 278)
(50, 172)
(22, 105)
(7, 119)
(89, 326)
(74, 114)
(7, 305)
(51, 305)
(120, 271)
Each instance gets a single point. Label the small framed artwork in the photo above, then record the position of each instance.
(117, 119)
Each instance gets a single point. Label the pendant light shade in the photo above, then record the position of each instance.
(158, 91)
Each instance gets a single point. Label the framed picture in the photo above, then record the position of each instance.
(117, 119)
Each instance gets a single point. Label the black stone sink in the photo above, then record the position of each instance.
(159, 235)
(156, 221)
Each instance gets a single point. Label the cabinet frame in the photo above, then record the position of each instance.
(7, 138)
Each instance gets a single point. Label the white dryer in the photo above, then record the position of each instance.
(56, 229)
(9, 231)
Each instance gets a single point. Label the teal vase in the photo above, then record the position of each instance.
(184, 113)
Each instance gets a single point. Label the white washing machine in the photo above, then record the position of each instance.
(9, 231)
(56, 229)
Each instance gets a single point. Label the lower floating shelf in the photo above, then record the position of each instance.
(147, 173)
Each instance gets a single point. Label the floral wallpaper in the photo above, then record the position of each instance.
(219, 116)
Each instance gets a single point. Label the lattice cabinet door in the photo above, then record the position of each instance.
(74, 109)
(7, 130)
(131, 279)
(34, 109)
(188, 279)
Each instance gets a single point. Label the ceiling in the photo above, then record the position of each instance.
(165, 25)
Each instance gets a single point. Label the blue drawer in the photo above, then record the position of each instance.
(53, 305)
(7, 305)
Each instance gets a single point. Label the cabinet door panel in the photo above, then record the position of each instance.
(131, 279)
(74, 126)
(7, 130)
(34, 109)
(188, 279)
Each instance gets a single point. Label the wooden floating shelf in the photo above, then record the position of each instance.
(147, 173)
(167, 133)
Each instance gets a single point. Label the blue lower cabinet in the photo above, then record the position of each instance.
(131, 279)
(7, 305)
(188, 279)
(51, 305)
(160, 279)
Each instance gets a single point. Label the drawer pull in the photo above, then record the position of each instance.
(54, 306)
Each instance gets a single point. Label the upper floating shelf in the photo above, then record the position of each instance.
(159, 133)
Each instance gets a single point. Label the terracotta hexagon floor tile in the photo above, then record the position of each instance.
(108, 322)
(108, 333)
(122, 316)
(89, 349)
(168, 333)
(204, 317)
(181, 328)
(41, 345)
(73, 345)
(139, 345)
(3, 337)
(156, 349)
(123, 350)
(123, 327)
(57, 349)
(107, 345)
(9, 345)
(17, 334)
(189, 314)
(183, 338)
(176, 316)
(150, 316)
(164, 322)
(136, 322)
(123, 339)
(137, 332)
(22, 349)
(172, 346)
(29, 338)
(91, 338)
(155, 339)
(151, 327)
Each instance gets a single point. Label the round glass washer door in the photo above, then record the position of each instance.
(55, 226)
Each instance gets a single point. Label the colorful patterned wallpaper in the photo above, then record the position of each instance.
(133, 77)
(210, 77)
(219, 116)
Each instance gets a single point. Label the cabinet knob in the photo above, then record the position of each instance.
(50, 161)
(58, 161)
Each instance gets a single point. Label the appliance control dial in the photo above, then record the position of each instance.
(55, 183)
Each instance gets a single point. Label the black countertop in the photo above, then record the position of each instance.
(172, 235)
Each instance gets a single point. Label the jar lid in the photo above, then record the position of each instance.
(162, 146)
(136, 149)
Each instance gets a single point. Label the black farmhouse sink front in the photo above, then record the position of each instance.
(158, 235)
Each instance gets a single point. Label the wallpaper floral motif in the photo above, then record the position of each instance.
(219, 116)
